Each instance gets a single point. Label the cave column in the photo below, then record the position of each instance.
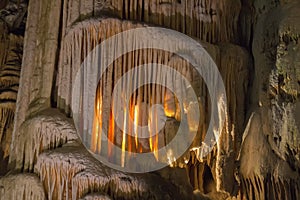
(39, 62)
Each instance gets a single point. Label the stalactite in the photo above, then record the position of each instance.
(9, 84)
(21, 186)
(71, 172)
(257, 181)
(213, 21)
(233, 63)
(82, 35)
(271, 187)
(48, 130)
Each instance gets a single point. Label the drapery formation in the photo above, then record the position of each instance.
(255, 45)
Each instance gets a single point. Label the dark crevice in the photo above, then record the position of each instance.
(208, 180)
(53, 99)
(143, 11)
(124, 11)
(9, 75)
(3, 90)
(8, 100)
(128, 11)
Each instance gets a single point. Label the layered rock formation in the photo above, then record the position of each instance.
(12, 23)
(255, 45)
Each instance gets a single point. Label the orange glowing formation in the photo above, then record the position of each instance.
(140, 113)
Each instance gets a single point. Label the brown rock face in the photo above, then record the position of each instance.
(12, 22)
(273, 129)
(255, 45)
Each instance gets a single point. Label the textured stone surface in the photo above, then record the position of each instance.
(21, 186)
(48, 129)
(270, 149)
(70, 172)
(12, 26)
(258, 154)
(11, 47)
(40, 59)
(14, 13)
(234, 62)
(211, 21)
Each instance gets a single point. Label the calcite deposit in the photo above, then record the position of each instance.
(255, 46)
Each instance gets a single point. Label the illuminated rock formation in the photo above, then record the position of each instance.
(255, 45)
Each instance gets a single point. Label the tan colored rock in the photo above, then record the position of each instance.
(21, 186)
(258, 161)
(40, 58)
(70, 172)
(49, 129)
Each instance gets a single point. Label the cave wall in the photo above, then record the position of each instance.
(254, 43)
(274, 120)
(11, 49)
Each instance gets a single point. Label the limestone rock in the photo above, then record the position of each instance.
(70, 172)
(47, 130)
(273, 130)
(255, 44)
(10, 67)
(21, 186)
